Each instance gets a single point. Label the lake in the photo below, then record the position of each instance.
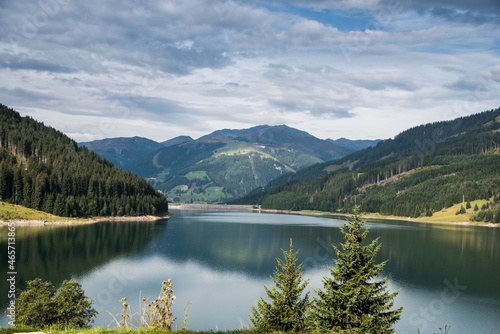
(219, 261)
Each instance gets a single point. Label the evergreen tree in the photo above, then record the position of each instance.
(43, 169)
(461, 210)
(351, 298)
(286, 310)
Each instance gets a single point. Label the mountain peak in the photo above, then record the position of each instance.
(177, 140)
(233, 133)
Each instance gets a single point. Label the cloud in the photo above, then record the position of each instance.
(125, 32)
(29, 97)
(153, 107)
(468, 84)
(22, 62)
(317, 108)
(166, 68)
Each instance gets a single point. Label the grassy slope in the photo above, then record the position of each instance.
(447, 215)
(18, 212)
(10, 212)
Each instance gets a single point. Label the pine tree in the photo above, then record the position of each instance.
(351, 298)
(286, 311)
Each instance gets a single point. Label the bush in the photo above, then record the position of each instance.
(41, 305)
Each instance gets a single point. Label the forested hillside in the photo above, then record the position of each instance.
(419, 172)
(43, 169)
(230, 163)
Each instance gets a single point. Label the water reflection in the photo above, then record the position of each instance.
(219, 261)
(56, 253)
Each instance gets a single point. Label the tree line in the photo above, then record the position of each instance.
(43, 169)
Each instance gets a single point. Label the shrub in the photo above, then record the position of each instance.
(40, 305)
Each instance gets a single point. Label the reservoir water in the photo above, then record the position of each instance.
(448, 275)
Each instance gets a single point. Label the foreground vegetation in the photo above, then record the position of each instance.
(103, 330)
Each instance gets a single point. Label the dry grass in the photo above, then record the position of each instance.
(18, 212)
(449, 214)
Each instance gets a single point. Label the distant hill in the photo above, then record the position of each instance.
(43, 169)
(177, 140)
(122, 151)
(419, 172)
(232, 133)
(290, 138)
(228, 164)
(354, 145)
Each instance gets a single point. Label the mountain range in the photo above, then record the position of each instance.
(421, 171)
(225, 164)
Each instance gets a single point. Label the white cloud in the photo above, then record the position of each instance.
(166, 68)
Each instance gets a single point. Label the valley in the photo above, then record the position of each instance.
(224, 165)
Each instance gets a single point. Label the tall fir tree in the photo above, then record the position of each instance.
(287, 309)
(352, 298)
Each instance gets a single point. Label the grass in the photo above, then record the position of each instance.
(11, 211)
(449, 214)
(103, 330)
(199, 174)
(211, 195)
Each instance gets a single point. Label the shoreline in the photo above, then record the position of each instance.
(80, 221)
(229, 207)
(211, 207)
(375, 217)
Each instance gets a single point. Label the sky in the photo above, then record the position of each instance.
(359, 69)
